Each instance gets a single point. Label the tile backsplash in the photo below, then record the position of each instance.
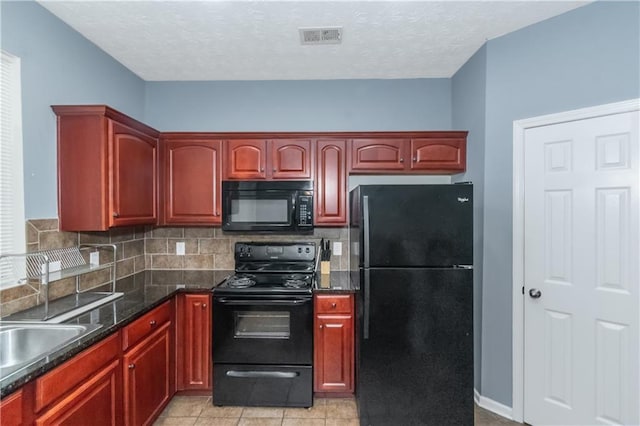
(146, 247)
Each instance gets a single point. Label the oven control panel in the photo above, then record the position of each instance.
(275, 251)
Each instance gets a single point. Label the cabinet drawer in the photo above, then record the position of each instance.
(334, 304)
(58, 382)
(145, 325)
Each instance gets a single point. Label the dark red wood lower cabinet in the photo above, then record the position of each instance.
(334, 344)
(193, 330)
(147, 371)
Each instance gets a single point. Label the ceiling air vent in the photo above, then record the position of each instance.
(330, 35)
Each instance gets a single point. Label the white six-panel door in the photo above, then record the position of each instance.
(581, 253)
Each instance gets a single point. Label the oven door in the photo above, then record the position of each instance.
(258, 210)
(263, 329)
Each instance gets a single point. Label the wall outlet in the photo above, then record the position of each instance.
(337, 248)
(94, 258)
(180, 248)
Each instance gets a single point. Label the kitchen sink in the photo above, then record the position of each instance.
(22, 344)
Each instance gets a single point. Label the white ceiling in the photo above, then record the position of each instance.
(259, 40)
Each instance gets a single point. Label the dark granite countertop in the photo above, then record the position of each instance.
(142, 292)
(336, 282)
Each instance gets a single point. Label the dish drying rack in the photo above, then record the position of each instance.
(74, 262)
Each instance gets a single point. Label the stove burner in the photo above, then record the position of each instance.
(295, 283)
(241, 281)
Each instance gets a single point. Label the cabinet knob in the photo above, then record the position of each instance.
(132, 366)
(333, 305)
(402, 160)
(275, 170)
(116, 214)
(321, 326)
(261, 169)
(152, 323)
(217, 213)
(415, 159)
(204, 305)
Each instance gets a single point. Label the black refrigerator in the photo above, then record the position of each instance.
(412, 255)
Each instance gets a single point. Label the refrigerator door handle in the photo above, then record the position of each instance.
(367, 293)
(365, 220)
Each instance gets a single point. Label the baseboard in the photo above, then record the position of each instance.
(493, 406)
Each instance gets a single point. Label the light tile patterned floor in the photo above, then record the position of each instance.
(198, 410)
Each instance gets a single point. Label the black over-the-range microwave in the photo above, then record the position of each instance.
(267, 206)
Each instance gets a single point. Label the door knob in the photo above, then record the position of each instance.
(535, 293)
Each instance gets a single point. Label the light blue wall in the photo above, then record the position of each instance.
(58, 66)
(586, 57)
(468, 106)
(322, 105)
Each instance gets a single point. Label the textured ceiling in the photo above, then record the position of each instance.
(259, 40)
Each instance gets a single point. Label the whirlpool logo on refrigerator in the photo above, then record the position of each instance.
(462, 199)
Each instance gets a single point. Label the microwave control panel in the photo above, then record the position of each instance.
(305, 210)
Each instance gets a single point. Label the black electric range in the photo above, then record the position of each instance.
(263, 327)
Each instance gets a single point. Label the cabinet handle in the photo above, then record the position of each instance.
(204, 305)
(152, 323)
(116, 214)
(402, 160)
(333, 305)
(132, 366)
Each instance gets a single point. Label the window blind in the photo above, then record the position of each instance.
(12, 221)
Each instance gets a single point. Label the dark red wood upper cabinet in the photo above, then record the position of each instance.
(107, 169)
(331, 183)
(290, 159)
(439, 154)
(268, 159)
(379, 154)
(192, 181)
(135, 178)
(246, 159)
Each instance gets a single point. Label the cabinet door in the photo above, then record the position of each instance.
(192, 181)
(246, 159)
(439, 154)
(334, 356)
(290, 159)
(134, 184)
(146, 378)
(331, 183)
(194, 335)
(375, 155)
(97, 399)
(11, 409)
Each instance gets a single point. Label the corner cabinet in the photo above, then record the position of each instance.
(334, 355)
(193, 331)
(107, 169)
(192, 181)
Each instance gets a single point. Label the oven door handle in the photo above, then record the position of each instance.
(263, 374)
(261, 302)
